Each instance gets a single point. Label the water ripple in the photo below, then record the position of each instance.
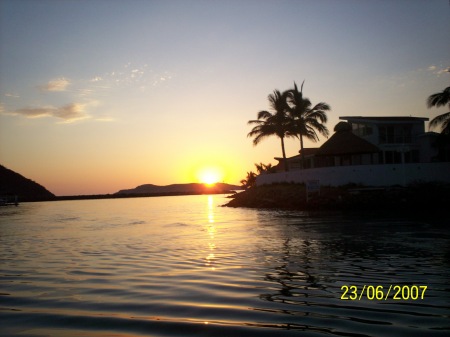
(182, 267)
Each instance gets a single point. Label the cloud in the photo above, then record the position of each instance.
(138, 76)
(444, 70)
(438, 70)
(70, 112)
(58, 84)
(67, 113)
(33, 112)
(105, 119)
(85, 92)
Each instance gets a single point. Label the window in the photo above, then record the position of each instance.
(383, 137)
(368, 130)
(392, 157)
(362, 129)
(395, 134)
(390, 132)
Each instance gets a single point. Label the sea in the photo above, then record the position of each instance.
(186, 266)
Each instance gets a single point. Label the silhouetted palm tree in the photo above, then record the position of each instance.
(259, 168)
(276, 123)
(305, 118)
(264, 168)
(249, 181)
(437, 100)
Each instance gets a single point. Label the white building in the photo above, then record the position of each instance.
(375, 151)
(400, 139)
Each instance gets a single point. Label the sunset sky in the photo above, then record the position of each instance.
(98, 96)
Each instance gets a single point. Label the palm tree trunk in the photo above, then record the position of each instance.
(302, 154)
(286, 168)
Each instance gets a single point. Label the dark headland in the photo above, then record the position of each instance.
(193, 188)
(14, 184)
(150, 190)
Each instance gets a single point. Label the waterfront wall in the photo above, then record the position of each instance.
(368, 175)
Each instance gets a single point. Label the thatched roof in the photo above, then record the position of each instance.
(308, 152)
(344, 141)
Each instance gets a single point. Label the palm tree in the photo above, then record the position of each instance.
(276, 123)
(264, 168)
(306, 120)
(249, 181)
(437, 100)
(259, 168)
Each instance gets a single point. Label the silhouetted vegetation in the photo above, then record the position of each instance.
(272, 123)
(249, 181)
(292, 116)
(443, 141)
(437, 100)
(305, 119)
(265, 168)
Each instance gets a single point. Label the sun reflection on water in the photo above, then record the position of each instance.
(210, 259)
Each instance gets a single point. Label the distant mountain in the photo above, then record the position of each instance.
(26, 189)
(193, 188)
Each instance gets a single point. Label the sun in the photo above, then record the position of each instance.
(210, 176)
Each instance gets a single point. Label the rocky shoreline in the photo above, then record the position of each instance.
(424, 197)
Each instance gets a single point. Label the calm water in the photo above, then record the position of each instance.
(182, 266)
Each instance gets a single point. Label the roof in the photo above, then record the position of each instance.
(430, 134)
(308, 151)
(395, 119)
(346, 142)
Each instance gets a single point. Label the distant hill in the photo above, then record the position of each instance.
(173, 189)
(26, 189)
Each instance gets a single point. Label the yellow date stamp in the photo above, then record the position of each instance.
(381, 293)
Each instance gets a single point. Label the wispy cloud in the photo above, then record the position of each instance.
(105, 119)
(129, 75)
(87, 94)
(67, 113)
(58, 84)
(439, 70)
(444, 70)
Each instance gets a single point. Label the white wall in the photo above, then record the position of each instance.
(369, 175)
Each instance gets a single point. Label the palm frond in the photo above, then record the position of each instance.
(321, 128)
(439, 99)
(259, 167)
(259, 138)
(255, 121)
(264, 114)
(311, 133)
(317, 115)
(445, 128)
(322, 106)
(441, 119)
